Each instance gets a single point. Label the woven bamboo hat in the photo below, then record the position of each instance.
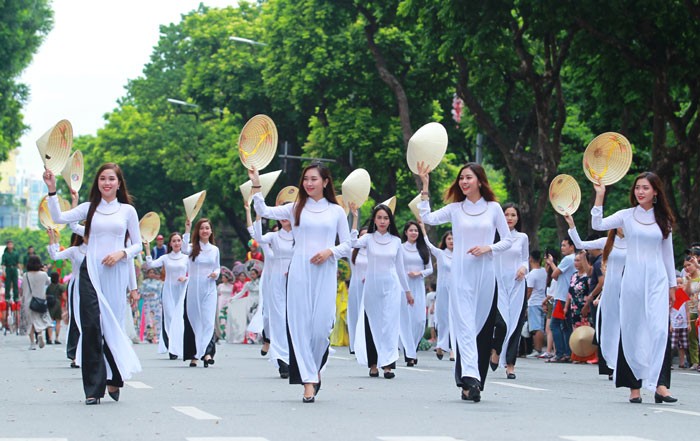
(608, 158)
(581, 341)
(356, 187)
(341, 202)
(73, 171)
(267, 181)
(287, 194)
(428, 145)
(45, 217)
(149, 225)
(193, 204)
(391, 203)
(257, 142)
(564, 194)
(55, 145)
(413, 205)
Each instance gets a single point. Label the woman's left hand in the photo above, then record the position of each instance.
(671, 296)
(213, 275)
(409, 297)
(520, 275)
(414, 274)
(321, 256)
(113, 258)
(478, 251)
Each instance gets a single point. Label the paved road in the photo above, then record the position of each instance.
(241, 398)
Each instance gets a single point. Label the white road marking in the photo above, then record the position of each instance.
(335, 357)
(684, 412)
(224, 438)
(195, 413)
(417, 438)
(604, 438)
(33, 439)
(517, 386)
(414, 369)
(692, 374)
(137, 385)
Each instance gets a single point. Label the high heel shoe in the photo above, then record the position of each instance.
(308, 399)
(373, 374)
(193, 363)
(658, 398)
(263, 353)
(389, 375)
(473, 394)
(636, 400)
(439, 354)
(91, 401)
(208, 361)
(493, 365)
(114, 395)
(317, 387)
(172, 356)
(510, 376)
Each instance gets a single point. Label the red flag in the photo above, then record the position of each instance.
(681, 298)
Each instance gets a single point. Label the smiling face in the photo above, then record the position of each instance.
(511, 217)
(644, 192)
(176, 243)
(204, 232)
(108, 184)
(469, 184)
(449, 242)
(412, 234)
(313, 183)
(382, 221)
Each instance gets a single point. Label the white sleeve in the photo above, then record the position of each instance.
(667, 253)
(159, 262)
(133, 284)
(439, 217)
(358, 242)
(603, 224)
(132, 225)
(400, 269)
(185, 243)
(277, 213)
(343, 248)
(597, 244)
(502, 227)
(65, 217)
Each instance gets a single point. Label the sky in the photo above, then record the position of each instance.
(84, 63)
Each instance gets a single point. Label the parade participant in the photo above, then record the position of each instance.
(262, 313)
(358, 269)
(281, 243)
(203, 269)
(76, 254)
(175, 264)
(110, 221)
(418, 266)
(377, 336)
(476, 217)
(317, 220)
(648, 281)
(443, 254)
(511, 268)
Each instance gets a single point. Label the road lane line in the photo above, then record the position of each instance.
(335, 357)
(417, 438)
(224, 438)
(137, 385)
(195, 413)
(604, 438)
(518, 386)
(414, 369)
(684, 412)
(33, 439)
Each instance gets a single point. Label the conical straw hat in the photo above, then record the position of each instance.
(149, 226)
(55, 145)
(356, 187)
(73, 171)
(391, 203)
(194, 203)
(413, 205)
(581, 341)
(608, 158)
(341, 202)
(428, 144)
(267, 181)
(564, 194)
(257, 142)
(287, 194)
(45, 217)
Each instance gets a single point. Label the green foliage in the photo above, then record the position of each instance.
(23, 238)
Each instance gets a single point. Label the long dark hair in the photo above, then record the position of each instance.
(515, 207)
(662, 211)
(95, 197)
(422, 247)
(454, 192)
(443, 240)
(76, 240)
(170, 239)
(357, 250)
(328, 189)
(34, 263)
(607, 249)
(392, 225)
(196, 248)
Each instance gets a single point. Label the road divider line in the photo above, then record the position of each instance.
(683, 412)
(137, 385)
(229, 438)
(195, 413)
(417, 438)
(604, 438)
(414, 369)
(518, 386)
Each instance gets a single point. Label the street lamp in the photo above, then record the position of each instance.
(247, 41)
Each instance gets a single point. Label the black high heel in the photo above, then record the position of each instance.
(373, 374)
(473, 394)
(172, 356)
(193, 363)
(92, 401)
(263, 353)
(389, 375)
(114, 395)
(308, 399)
(283, 369)
(636, 400)
(658, 398)
(439, 354)
(317, 387)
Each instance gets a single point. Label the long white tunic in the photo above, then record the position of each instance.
(511, 292)
(357, 281)
(609, 305)
(76, 255)
(274, 289)
(312, 288)
(442, 295)
(473, 277)
(413, 317)
(110, 223)
(200, 294)
(261, 319)
(173, 296)
(384, 292)
(648, 275)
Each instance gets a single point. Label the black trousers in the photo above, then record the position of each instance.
(484, 343)
(625, 377)
(166, 339)
(372, 356)
(95, 349)
(603, 368)
(73, 330)
(499, 334)
(190, 346)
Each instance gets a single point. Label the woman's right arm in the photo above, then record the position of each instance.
(358, 242)
(157, 263)
(597, 244)
(66, 217)
(278, 213)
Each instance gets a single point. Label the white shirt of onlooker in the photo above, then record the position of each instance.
(537, 280)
